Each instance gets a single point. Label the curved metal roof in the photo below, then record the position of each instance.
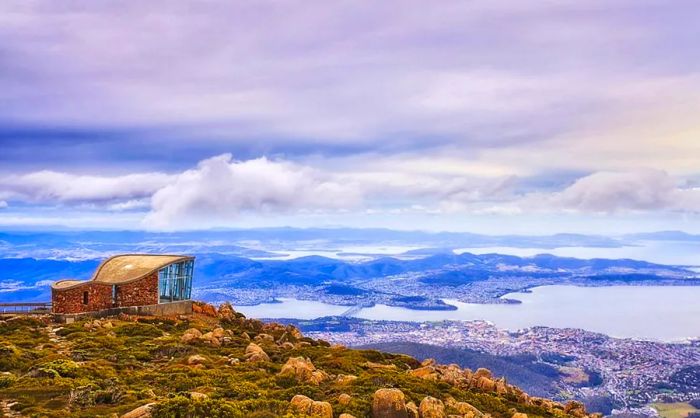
(125, 268)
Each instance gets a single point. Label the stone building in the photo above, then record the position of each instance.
(131, 280)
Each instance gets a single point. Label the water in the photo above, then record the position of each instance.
(665, 313)
(665, 252)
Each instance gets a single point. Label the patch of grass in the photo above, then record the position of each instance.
(675, 409)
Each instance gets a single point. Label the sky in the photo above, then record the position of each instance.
(484, 116)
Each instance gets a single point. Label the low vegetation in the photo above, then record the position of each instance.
(220, 364)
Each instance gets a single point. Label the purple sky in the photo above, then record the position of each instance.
(487, 116)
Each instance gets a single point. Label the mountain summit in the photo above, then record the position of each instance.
(217, 363)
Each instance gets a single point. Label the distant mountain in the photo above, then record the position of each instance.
(218, 275)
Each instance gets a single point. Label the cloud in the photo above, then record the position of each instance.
(639, 190)
(58, 187)
(336, 78)
(219, 189)
(3, 204)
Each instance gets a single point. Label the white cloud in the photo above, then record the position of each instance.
(57, 187)
(3, 204)
(639, 190)
(220, 188)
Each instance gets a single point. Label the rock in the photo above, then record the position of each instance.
(254, 353)
(452, 374)
(264, 338)
(294, 332)
(301, 404)
(226, 312)
(196, 359)
(389, 403)
(346, 416)
(485, 384)
(425, 372)
(431, 408)
(198, 396)
(344, 379)
(575, 408)
(412, 410)
(210, 339)
(481, 372)
(219, 332)
(287, 346)
(373, 365)
(501, 386)
(303, 370)
(190, 336)
(143, 411)
(464, 408)
(519, 415)
(428, 362)
(344, 399)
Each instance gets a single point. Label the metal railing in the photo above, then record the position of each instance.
(25, 308)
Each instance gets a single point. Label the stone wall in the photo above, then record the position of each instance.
(139, 292)
(70, 300)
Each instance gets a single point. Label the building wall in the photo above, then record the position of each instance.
(139, 293)
(71, 300)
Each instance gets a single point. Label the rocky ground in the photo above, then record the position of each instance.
(217, 363)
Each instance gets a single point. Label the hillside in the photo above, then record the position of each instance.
(220, 364)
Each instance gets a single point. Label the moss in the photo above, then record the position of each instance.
(60, 368)
(104, 371)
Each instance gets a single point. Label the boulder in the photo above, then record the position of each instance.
(452, 374)
(226, 312)
(210, 339)
(412, 410)
(143, 411)
(204, 309)
(294, 332)
(575, 408)
(346, 416)
(344, 379)
(198, 396)
(484, 383)
(254, 353)
(301, 404)
(481, 372)
(389, 403)
(196, 359)
(344, 399)
(431, 408)
(303, 370)
(264, 338)
(218, 332)
(425, 372)
(428, 362)
(519, 415)
(373, 365)
(190, 336)
(464, 408)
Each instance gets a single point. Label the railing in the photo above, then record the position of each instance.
(25, 308)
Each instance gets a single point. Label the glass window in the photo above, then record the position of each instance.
(175, 281)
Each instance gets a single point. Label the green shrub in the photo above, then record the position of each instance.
(182, 407)
(6, 380)
(139, 330)
(61, 367)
